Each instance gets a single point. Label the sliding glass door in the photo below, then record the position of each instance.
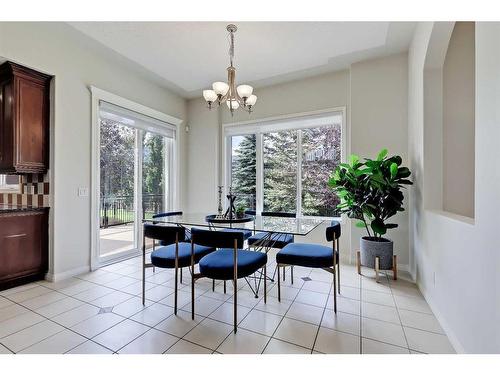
(118, 170)
(135, 172)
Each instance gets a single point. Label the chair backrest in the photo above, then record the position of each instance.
(167, 234)
(164, 214)
(278, 214)
(219, 239)
(270, 213)
(333, 231)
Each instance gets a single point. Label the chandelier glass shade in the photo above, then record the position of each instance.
(234, 96)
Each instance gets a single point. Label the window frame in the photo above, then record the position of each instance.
(173, 123)
(297, 121)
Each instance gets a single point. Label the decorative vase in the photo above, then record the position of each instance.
(372, 247)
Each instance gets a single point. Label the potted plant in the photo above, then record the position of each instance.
(240, 211)
(370, 191)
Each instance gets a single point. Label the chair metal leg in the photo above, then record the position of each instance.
(265, 289)
(284, 273)
(334, 278)
(235, 285)
(338, 276)
(394, 267)
(291, 273)
(279, 284)
(176, 272)
(213, 285)
(224, 286)
(338, 266)
(181, 275)
(334, 291)
(192, 281)
(144, 271)
(358, 261)
(377, 268)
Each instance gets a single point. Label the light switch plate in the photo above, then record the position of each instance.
(83, 192)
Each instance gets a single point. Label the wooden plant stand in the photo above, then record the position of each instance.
(377, 267)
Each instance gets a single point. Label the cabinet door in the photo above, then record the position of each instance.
(31, 126)
(23, 247)
(6, 127)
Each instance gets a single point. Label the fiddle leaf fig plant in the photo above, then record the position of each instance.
(370, 191)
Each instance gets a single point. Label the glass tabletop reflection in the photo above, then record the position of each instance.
(269, 224)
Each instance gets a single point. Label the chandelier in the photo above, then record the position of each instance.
(234, 97)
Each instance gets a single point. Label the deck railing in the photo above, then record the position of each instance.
(119, 210)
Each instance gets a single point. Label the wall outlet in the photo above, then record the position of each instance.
(83, 192)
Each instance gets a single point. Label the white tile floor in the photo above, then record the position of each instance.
(101, 312)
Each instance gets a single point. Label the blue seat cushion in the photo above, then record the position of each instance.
(246, 232)
(219, 265)
(277, 240)
(164, 257)
(306, 255)
(186, 239)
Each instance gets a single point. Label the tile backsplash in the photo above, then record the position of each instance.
(35, 191)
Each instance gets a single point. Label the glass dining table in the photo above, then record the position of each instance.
(273, 229)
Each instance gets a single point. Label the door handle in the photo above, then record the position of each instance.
(16, 235)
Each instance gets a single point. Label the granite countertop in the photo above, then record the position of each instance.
(4, 208)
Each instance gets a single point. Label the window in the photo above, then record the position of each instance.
(243, 170)
(9, 183)
(320, 156)
(280, 171)
(284, 166)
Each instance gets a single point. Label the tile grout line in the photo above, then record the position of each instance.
(238, 323)
(399, 316)
(12, 352)
(323, 314)
(283, 317)
(48, 319)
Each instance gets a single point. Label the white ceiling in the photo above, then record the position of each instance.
(189, 56)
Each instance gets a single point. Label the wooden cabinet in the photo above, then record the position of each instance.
(24, 119)
(23, 247)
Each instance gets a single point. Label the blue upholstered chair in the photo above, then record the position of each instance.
(314, 256)
(227, 263)
(187, 237)
(277, 240)
(175, 254)
(246, 232)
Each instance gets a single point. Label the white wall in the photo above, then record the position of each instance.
(77, 63)
(458, 121)
(375, 96)
(456, 261)
(379, 119)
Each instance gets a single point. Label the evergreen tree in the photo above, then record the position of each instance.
(153, 172)
(244, 172)
(280, 171)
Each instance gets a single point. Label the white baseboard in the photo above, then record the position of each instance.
(54, 277)
(442, 321)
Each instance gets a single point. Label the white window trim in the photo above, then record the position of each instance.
(102, 95)
(302, 120)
